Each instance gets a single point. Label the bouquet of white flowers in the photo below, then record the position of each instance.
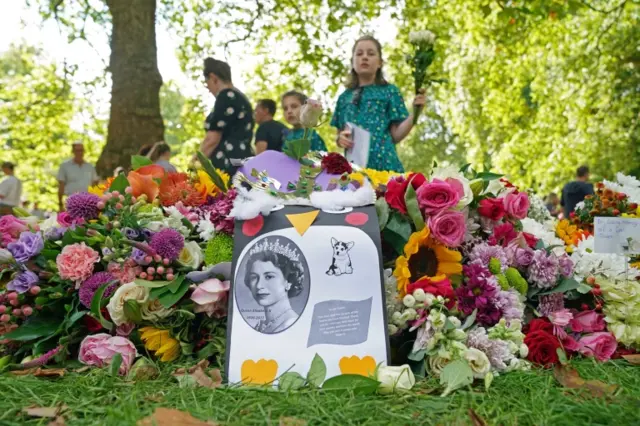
(424, 54)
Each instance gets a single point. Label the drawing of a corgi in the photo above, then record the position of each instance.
(341, 262)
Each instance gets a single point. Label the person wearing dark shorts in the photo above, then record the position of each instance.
(271, 133)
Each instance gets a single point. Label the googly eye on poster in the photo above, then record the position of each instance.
(306, 282)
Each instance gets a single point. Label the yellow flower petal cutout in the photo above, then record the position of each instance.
(262, 372)
(355, 365)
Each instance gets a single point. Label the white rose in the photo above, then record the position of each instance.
(478, 362)
(129, 291)
(409, 301)
(154, 311)
(5, 256)
(437, 364)
(191, 255)
(395, 379)
(310, 113)
(419, 295)
(50, 222)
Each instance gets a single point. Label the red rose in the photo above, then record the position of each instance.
(492, 208)
(397, 188)
(540, 324)
(437, 288)
(542, 347)
(530, 239)
(335, 164)
(92, 324)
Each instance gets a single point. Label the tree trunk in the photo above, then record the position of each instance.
(135, 117)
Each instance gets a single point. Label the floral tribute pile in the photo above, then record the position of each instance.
(479, 280)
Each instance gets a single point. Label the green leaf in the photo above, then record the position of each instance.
(151, 284)
(138, 161)
(382, 209)
(417, 356)
(74, 318)
(297, 149)
(132, 311)
(539, 245)
(488, 379)
(50, 254)
(352, 382)
(290, 381)
(456, 375)
(174, 286)
(33, 329)
(465, 168)
(317, 372)
(119, 184)
(470, 320)
(114, 366)
(583, 288)
(411, 200)
(211, 171)
(488, 176)
(566, 285)
(96, 305)
(168, 299)
(397, 232)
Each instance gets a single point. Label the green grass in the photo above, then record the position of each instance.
(530, 398)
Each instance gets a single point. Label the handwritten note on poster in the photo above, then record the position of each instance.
(617, 235)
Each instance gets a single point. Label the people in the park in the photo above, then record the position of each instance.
(574, 192)
(372, 103)
(160, 154)
(273, 279)
(145, 149)
(10, 189)
(229, 127)
(292, 102)
(75, 175)
(553, 204)
(270, 134)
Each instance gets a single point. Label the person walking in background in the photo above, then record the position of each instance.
(160, 154)
(375, 105)
(229, 127)
(10, 189)
(552, 203)
(75, 175)
(270, 134)
(574, 192)
(292, 102)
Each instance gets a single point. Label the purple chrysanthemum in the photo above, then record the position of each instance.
(497, 350)
(83, 206)
(551, 303)
(510, 305)
(543, 271)
(484, 252)
(168, 243)
(94, 282)
(566, 265)
(478, 292)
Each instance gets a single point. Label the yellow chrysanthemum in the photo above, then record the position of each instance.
(100, 188)
(205, 184)
(425, 257)
(376, 177)
(160, 341)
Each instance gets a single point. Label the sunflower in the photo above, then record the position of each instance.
(425, 257)
(206, 185)
(160, 341)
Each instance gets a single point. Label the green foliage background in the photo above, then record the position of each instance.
(533, 88)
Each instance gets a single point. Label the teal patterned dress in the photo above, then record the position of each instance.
(317, 144)
(374, 108)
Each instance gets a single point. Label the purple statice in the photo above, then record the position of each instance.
(83, 206)
(478, 292)
(551, 303)
(130, 233)
(509, 303)
(522, 256)
(29, 244)
(22, 282)
(168, 243)
(496, 350)
(484, 252)
(89, 287)
(565, 265)
(139, 256)
(543, 271)
(217, 209)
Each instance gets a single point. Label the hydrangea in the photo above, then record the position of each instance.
(83, 205)
(168, 243)
(219, 249)
(89, 287)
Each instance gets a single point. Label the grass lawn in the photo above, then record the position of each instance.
(531, 398)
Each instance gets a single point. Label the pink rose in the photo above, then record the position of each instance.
(10, 228)
(76, 261)
(516, 205)
(448, 227)
(437, 195)
(99, 349)
(211, 297)
(601, 345)
(587, 322)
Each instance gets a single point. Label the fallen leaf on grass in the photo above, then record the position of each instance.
(632, 359)
(476, 419)
(199, 376)
(58, 421)
(48, 412)
(40, 372)
(171, 417)
(291, 421)
(82, 369)
(570, 378)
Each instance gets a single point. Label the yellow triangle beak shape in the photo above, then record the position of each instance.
(303, 221)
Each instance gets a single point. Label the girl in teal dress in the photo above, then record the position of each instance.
(375, 105)
(291, 103)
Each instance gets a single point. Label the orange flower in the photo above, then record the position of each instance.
(175, 187)
(143, 185)
(152, 170)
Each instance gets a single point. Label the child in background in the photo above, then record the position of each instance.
(160, 154)
(292, 102)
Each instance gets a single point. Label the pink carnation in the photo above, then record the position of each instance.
(10, 228)
(516, 205)
(211, 297)
(437, 195)
(448, 227)
(601, 345)
(99, 349)
(76, 262)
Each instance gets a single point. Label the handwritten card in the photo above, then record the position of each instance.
(617, 235)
